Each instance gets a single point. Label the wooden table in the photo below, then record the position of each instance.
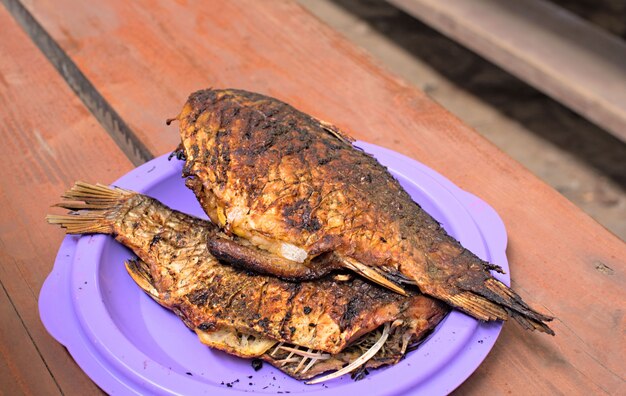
(130, 65)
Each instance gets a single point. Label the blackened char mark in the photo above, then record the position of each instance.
(294, 290)
(299, 215)
(207, 326)
(222, 145)
(155, 240)
(354, 307)
(264, 323)
(179, 153)
(198, 297)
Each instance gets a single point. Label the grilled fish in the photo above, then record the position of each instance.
(297, 200)
(325, 324)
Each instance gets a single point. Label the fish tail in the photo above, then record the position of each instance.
(93, 207)
(493, 300)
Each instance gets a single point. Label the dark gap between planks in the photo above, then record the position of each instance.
(122, 134)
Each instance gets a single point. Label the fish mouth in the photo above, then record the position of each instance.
(385, 345)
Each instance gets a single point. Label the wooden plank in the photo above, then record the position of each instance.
(554, 50)
(22, 370)
(49, 140)
(144, 58)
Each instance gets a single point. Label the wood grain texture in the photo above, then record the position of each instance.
(106, 116)
(22, 370)
(49, 140)
(145, 57)
(575, 62)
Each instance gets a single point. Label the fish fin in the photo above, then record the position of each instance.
(92, 205)
(476, 306)
(493, 300)
(336, 132)
(231, 341)
(237, 253)
(139, 270)
(95, 223)
(516, 307)
(371, 274)
(179, 151)
(463, 281)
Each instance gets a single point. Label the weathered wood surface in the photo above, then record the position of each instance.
(575, 62)
(49, 139)
(145, 57)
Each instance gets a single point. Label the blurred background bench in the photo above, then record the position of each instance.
(557, 52)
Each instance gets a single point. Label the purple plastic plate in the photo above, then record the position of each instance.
(128, 344)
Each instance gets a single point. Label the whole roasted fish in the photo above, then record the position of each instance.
(303, 328)
(297, 200)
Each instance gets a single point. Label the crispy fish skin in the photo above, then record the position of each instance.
(423, 317)
(218, 301)
(295, 186)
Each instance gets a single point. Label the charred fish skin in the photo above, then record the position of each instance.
(406, 334)
(217, 300)
(294, 186)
